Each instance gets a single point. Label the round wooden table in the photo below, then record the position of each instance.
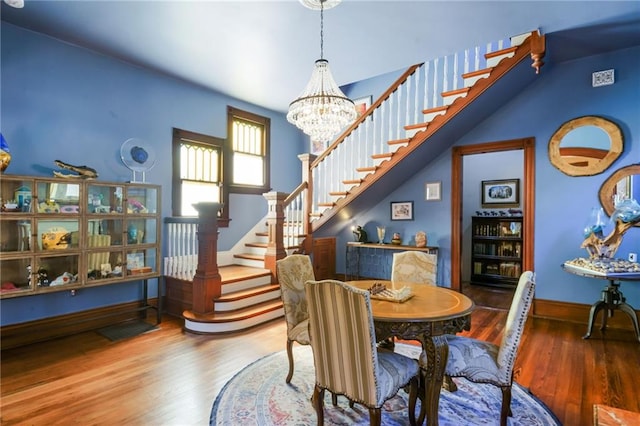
(426, 317)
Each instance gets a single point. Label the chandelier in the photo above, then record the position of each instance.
(322, 110)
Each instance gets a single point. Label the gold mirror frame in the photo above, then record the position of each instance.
(591, 167)
(609, 186)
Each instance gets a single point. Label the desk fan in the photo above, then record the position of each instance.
(138, 156)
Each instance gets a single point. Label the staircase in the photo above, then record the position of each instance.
(412, 121)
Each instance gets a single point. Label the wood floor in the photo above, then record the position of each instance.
(169, 377)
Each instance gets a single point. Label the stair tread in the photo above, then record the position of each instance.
(352, 181)
(243, 294)
(455, 92)
(383, 155)
(435, 109)
(501, 52)
(399, 141)
(235, 273)
(416, 126)
(476, 73)
(248, 256)
(237, 315)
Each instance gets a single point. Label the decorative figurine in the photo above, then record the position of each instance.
(82, 172)
(5, 154)
(421, 239)
(360, 235)
(396, 239)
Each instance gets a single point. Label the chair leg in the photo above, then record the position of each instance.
(506, 405)
(334, 399)
(290, 356)
(413, 397)
(318, 399)
(375, 416)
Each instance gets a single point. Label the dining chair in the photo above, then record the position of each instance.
(484, 362)
(292, 273)
(415, 267)
(345, 356)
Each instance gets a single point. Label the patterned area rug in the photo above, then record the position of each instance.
(258, 395)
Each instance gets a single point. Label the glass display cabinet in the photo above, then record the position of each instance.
(61, 234)
(496, 250)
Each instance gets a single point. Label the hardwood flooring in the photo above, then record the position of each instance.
(169, 377)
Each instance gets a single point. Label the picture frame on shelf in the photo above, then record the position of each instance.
(433, 191)
(501, 193)
(401, 210)
(362, 105)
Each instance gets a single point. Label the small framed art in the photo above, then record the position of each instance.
(501, 193)
(402, 210)
(362, 104)
(432, 191)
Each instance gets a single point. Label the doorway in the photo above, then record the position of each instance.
(528, 197)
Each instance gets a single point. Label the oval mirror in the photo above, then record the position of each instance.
(585, 146)
(622, 184)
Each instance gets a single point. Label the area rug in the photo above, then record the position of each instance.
(258, 395)
(126, 330)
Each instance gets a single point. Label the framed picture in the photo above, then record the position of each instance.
(432, 191)
(501, 193)
(402, 210)
(362, 104)
(135, 260)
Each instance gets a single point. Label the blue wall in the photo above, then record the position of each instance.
(63, 102)
(561, 92)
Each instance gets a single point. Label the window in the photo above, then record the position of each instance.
(206, 168)
(248, 170)
(197, 172)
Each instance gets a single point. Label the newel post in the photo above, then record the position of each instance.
(207, 283)
(307, 176)
(275, 224)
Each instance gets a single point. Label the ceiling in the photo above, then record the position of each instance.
(263, 51)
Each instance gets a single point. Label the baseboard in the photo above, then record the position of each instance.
(578, 313)
(26, 333)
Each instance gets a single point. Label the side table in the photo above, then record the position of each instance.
(611, 297)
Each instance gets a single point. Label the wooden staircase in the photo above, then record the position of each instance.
(248, 298)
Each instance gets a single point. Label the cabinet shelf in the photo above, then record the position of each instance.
(61, 234)
(496, 250)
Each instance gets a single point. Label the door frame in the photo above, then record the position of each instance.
(528, 197)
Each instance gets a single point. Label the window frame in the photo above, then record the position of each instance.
(265, 122)
(179, 136)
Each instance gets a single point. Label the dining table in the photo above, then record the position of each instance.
(430, 313)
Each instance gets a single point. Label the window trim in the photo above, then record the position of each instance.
(176, 188)
(228, 154)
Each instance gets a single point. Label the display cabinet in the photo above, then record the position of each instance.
(64, 234)
(496, 250)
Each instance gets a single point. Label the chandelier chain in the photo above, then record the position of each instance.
(321, 29)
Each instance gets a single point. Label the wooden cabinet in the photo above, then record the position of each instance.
(496, 250)
(66, 234)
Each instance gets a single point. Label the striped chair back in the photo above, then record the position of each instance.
(343, 340)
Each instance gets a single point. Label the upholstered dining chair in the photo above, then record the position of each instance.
(483, 362)
(345, 356)
(415, 267)
(293, 272)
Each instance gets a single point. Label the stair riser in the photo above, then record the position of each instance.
(246, 302)
(492, 62)
(448, 100)
(249, 262)
(430, 116)
(245, 284)
(226, 327)
(470, 81)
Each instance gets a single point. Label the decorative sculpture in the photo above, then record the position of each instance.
(360, 234)
(626, 214)
(82, 172)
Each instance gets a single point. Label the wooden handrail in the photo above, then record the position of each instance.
(399, 82)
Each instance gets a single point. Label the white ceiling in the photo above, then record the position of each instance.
(263, 51)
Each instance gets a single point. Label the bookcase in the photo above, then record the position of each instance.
(496, 250)
(65, 234)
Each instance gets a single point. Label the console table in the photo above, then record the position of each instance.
(611, 298)
(376, 256)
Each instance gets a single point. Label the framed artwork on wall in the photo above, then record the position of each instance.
(402, 210)
(432, 191)
(362, 104)
(501, 193)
